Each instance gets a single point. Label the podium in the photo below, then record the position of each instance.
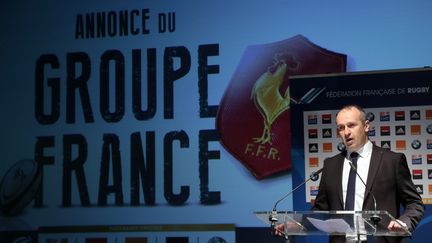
(354, 224)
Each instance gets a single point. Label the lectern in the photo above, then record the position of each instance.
(355, 224)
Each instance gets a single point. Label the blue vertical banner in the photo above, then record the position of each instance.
(398, 106)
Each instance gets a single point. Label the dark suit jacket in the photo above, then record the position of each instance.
(389, 180)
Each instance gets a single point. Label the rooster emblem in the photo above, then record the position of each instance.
(268, 98)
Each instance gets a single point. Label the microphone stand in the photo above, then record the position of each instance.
(314, 176)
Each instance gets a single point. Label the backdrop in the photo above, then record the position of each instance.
(117, 101)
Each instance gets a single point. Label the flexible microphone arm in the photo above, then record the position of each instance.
(375, 218)
(314, 176)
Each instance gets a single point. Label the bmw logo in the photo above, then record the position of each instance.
(416, 144)
(429, 129)
(370, 116)
(341, 147)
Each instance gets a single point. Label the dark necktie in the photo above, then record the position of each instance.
(350, 195)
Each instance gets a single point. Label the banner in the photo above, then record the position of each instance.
(398, 106)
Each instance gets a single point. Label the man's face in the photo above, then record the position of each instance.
(351, 129)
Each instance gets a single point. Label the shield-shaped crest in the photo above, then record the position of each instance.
(253, 116)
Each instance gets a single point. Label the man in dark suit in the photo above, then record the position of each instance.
(385, 173)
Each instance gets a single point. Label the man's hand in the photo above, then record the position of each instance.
(289, 227)
(279, 230)
(398, 226)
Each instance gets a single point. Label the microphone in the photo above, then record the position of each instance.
(314, 176)
(375, 218)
